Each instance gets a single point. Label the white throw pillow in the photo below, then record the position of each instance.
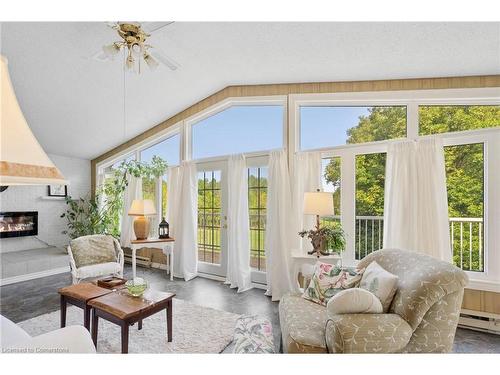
(381, 283)
(354, 301)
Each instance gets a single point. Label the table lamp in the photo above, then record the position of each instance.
(318, 203)
(141, 208)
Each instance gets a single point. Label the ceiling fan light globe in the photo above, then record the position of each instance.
(136, 49)
(130, 63)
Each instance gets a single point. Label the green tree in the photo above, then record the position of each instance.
(381, 123)
(464, 163)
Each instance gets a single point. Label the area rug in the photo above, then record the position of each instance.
(197, 329)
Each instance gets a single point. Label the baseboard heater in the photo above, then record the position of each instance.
(480, 321)
(140, 260)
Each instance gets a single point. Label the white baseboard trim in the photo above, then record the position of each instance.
(32, 276)
(161, 266)
(220, 278)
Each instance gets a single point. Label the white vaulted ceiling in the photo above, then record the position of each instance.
(75, 104)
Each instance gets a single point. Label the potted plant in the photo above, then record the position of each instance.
(325, 238)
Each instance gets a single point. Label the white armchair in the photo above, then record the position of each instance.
(71, 339)
(106, 268)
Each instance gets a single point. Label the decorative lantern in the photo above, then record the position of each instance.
(163, 229)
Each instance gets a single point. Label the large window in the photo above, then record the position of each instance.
(437, 119)
(465, 176)
(168, 150)
(370, 180)
(257, 203)
(352, 132)
(238, 129)
(322, 127)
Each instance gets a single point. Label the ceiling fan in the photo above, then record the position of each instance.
(133, 41)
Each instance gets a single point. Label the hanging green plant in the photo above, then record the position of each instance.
(101, 213)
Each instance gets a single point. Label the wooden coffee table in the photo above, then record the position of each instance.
(124, 310)
(79, 295)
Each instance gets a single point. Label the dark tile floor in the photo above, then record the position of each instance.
(32, 298)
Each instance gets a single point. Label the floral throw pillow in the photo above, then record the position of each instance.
(253, 334)
(329, 280)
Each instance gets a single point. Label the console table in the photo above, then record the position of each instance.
(165, 244)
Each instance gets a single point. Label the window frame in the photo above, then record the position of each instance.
(258, 276)
(151, 143)
(136, 152)
(207, 268)
(280, 100)
(489, 279)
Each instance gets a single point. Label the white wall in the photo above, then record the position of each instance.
(28, 198)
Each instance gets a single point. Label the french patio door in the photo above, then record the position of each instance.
(212, 218)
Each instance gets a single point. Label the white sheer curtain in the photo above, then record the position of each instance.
(238, 235)
(99, 184)
(416, 201)
(306, 177)
(278, 223)
(182, 214)
(173, 193)
(132, 191)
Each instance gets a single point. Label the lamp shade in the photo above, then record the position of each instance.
(318, 203)
(142, 207)
(22, 160)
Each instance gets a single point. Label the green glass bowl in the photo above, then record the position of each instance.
(136, 288)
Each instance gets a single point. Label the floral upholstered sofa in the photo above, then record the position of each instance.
(422, 318)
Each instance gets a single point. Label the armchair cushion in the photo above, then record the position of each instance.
(11, 333)
(96, 270)
(71, 339)
(302, 325)
(367, 333)
(93, 249)
(354, 301)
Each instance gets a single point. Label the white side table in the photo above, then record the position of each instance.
(165, 244)
(304, 261)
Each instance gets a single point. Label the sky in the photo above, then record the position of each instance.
(168, 149)
(331, 122)
(241, 129)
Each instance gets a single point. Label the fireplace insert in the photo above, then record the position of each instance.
(18, 224)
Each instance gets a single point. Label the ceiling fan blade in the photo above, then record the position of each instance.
(152, 27)
(112, 25)
(99, 56)
(167, 61)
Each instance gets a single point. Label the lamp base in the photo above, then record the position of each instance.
(318, 253)
(141, 227)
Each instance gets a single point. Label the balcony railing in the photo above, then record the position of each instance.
(467, 242)
(466, 236)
